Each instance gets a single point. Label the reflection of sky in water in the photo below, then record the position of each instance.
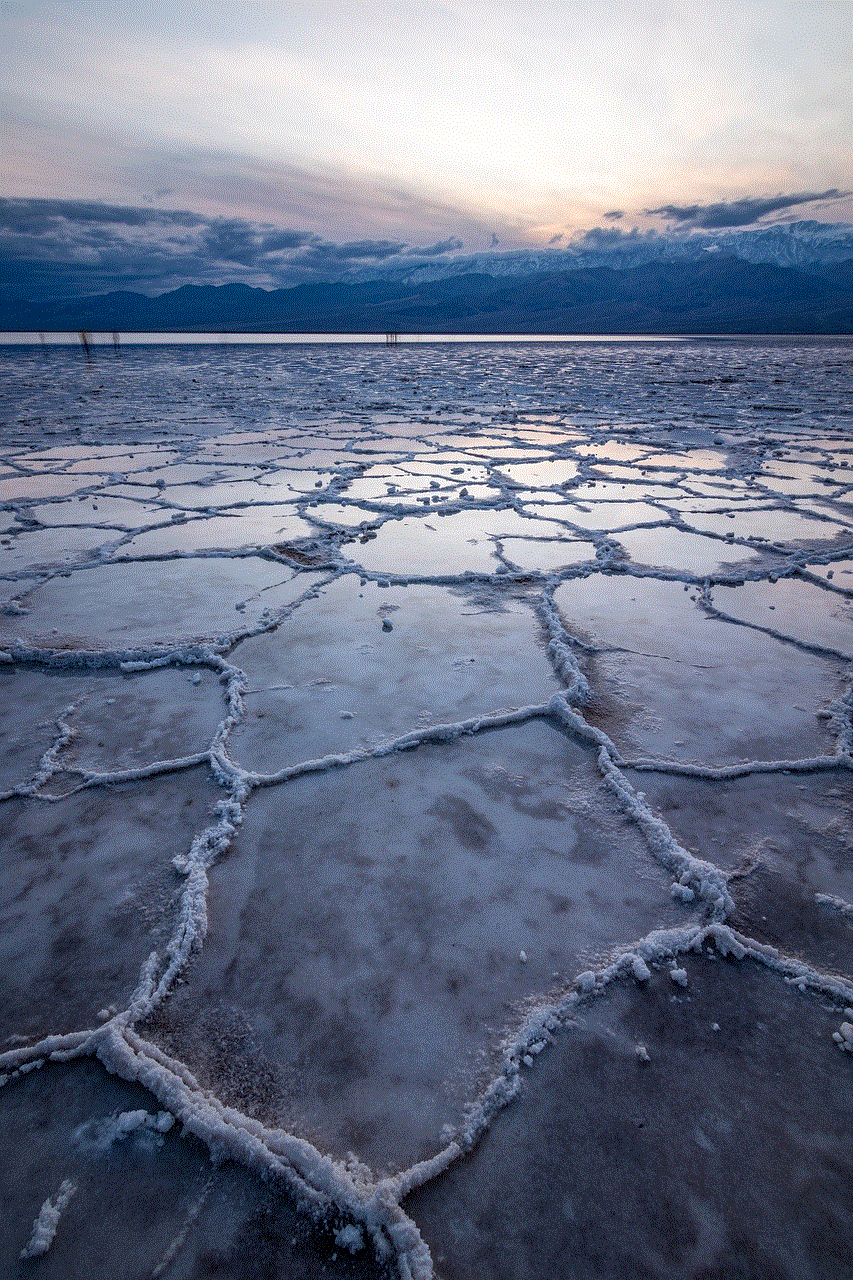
(840, 569)
(614, 515)
(533, 473)
(678, 550)
(137, 603)
(687, 684)
(638, 490)
(615, 449)
(46, 486)
(695, 460)
(546, 555)
(777, 526)
(797, 609)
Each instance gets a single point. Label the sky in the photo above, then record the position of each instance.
(358, 132)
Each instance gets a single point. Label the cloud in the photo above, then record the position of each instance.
(556, 239)
(64, 247)
(38, 217)
(284, 241)
(114, 167)
(610, 237)
(613, 214)
(738, 213)
(378, 250)
(451, 245)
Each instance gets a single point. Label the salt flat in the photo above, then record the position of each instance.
(426, 783)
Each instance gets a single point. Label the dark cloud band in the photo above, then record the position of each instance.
(736, 213)
(70, 246)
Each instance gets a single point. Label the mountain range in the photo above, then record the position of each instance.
(718, 293)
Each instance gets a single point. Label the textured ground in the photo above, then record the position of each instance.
(426, 789)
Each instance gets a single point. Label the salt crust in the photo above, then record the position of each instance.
(372, 1208)
(45, 1225)
(321, 1183)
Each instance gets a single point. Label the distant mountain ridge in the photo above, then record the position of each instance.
(715, 294)
(808, 245)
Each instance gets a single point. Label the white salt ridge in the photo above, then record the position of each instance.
(350, 1238)
(45, 1225)
(813, 764)
(100, 1135)
(843, 1037)
(50, 762)
(832, 900)
(561, 652)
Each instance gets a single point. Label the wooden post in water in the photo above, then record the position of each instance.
(87, 346)
(391, 339)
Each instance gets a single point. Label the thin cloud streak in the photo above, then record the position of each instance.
(336, 202)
